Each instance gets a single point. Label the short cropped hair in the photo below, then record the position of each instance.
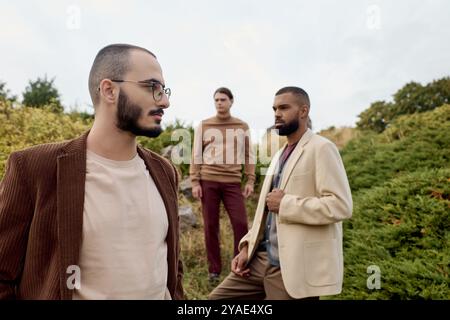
(296, 91)
(111, 62)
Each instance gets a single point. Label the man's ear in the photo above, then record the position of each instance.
(108, 91)
(304, 112)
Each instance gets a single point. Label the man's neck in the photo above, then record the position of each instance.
(111, 142)
(223, 116)
(296, 136)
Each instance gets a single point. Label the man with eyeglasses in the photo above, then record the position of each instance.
(96, 217)
(222, 147)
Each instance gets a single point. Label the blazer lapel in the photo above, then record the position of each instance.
(71, 177)
(162, 182)
(295, 156)
(267, 184)
(165, 188)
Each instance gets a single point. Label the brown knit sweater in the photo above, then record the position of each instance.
(221, 147)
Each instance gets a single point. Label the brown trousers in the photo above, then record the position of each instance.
(233, 200)
(265, 282)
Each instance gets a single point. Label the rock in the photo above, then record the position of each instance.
(188, 219)
(186, 187)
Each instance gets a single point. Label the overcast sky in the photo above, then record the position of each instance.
(345, 54)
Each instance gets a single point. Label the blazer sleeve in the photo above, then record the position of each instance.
(333, 202)
(244, 241)
(16, 213)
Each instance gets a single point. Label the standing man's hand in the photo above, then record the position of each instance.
(197, 192)
(248, 190)
(238, 264)
(273, 200)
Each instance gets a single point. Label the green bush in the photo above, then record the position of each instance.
(41, 93)
(412, 142)
(24, 127)
(168, 139)
(376, 117)
(403, 227)
(411, 98)
(5, 94)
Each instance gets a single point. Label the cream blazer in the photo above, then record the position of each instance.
(309, 228)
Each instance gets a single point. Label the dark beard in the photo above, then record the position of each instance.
(288, 128)
(128, 115)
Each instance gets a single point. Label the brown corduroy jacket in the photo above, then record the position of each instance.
(41, 219)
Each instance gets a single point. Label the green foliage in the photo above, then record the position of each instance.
(5, 94)
(414, 142)
(166, 139)
(376, 117)
(42, 93)
(177, 134)
(85, 116)
(403, 227)
(400, 180)
(414, 97)
(23, 127)
(411, 98)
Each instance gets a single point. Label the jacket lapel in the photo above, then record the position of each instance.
(166, 189)
(267, 184)
(265, 189)
(163, 183)
(71, 177)
(295, 156)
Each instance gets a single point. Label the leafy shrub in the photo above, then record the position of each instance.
(403, 227)
(411, 98)
(413, 142)
(42, 93)
(23, 127)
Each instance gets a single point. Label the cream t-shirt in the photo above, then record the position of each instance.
(124, 251)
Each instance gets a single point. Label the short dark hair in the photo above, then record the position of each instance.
(299, 92)
(111, 62)
(224, 91)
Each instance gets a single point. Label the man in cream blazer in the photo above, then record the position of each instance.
(294, 248)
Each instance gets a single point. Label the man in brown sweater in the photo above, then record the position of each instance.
(96, 217)
(221, 146)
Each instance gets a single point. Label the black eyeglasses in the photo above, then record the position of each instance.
(158, 89)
